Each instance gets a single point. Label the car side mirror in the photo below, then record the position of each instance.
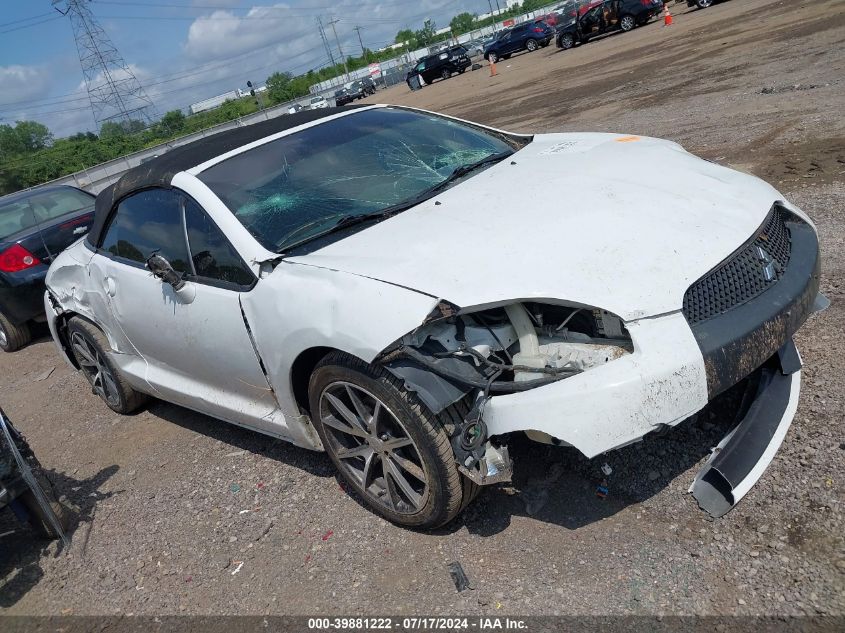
(161, 269)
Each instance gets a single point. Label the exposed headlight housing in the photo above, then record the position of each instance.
(511, 347)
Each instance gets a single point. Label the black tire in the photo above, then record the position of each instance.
(38, 520)
(703, 4)
(445, 492)
(445, 74)
(627, 22)
(13, 337)
(103, 375)
(566, 41)
(508, 56)
(531, 45)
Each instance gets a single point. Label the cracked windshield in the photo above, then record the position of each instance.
(299, 186)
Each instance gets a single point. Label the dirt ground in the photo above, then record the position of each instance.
(183, 514)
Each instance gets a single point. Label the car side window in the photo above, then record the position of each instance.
(148, 222)
(213, 256)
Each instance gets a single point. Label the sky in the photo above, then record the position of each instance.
(183, 51)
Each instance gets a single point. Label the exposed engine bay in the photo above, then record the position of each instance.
(501, 350)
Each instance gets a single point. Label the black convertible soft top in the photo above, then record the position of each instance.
(160, 171)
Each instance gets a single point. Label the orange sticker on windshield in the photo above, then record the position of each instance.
(627, 139)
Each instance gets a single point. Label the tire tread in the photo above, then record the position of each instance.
(132, 400)
(460, 490)
(17, 335)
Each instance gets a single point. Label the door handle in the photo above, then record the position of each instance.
(109, 286)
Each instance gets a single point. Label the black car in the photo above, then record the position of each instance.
(441, 65)
(600, 17)
(342, 97)
(368, 85)
(35, 226)
(528, 36)
(24, 487)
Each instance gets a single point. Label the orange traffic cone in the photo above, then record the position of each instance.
(667, 19)
(492, 68)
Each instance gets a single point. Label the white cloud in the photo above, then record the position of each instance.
(223, 33)
(23, 83)
(216, 3)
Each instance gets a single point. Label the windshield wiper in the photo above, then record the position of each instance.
(463, 170)
(344, 222)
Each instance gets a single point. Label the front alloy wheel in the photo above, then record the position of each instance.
(567, 41)
(373, 447)
(390, 449)
(703, 4)
(531, 45)
(627, 23)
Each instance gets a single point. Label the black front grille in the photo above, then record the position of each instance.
(746, 274)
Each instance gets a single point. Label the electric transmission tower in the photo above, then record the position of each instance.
(113, 90)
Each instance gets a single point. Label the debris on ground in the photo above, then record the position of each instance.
(459, 577)
(45, 375)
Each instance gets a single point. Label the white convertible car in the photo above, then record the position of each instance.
(404, 290)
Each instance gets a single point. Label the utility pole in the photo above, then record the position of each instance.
(113, 90)
(325, 40)
(361, 42)
(339, 49)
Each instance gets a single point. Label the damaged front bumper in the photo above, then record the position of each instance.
(740, 459)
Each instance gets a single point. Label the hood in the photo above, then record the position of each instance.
(623, 223)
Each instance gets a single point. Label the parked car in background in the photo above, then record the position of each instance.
(355, 88)
(318, 102)
(605, 16)
(441, 65)
(296, 107)
(701, 4)
(475, 48)
(343, 97)
(35, 226)
(528, 36)
(326, 282)
(368, 85)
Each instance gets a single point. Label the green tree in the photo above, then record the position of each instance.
(425, 36)
(278, 87)
(32, 135)
(111, 129)
(407, 37)
(462, 23)
(173, 121)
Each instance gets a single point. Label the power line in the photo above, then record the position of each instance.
(26, 26)
(32, 17)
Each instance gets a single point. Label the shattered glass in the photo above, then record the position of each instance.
(359, 164)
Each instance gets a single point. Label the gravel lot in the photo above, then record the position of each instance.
(183, 514)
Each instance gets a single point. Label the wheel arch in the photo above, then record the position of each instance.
(302, 369)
